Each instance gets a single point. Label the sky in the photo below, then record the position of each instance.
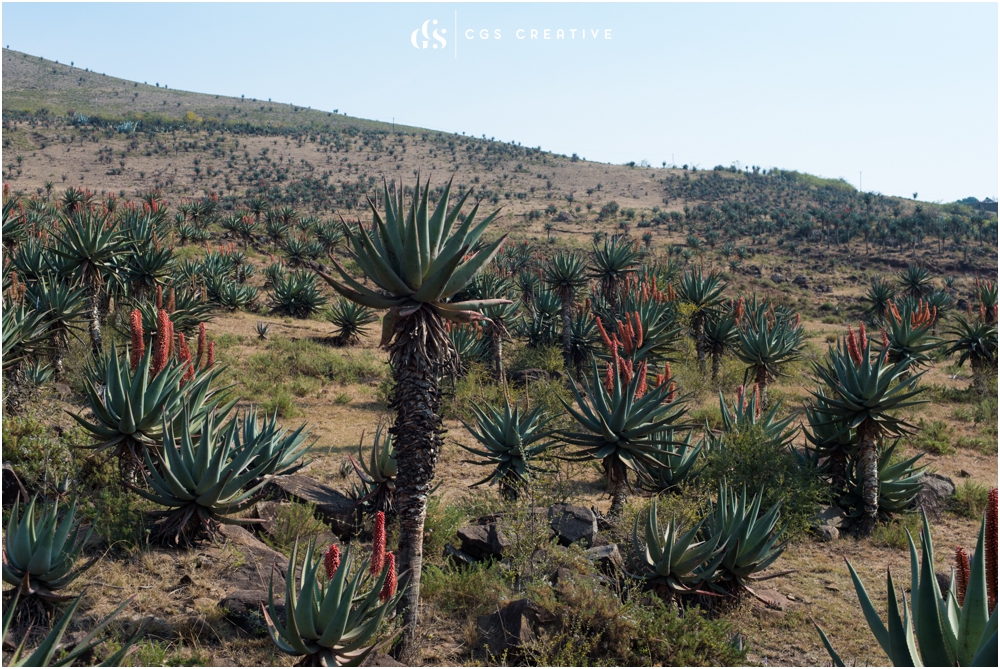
(896, 98)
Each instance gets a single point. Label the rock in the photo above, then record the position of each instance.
(944, 583)
(510, 628)
(829, 522)
(259, 562)
(243, 609)
(336, 508)
(607, 558)
(964, 474)
(934, 496)
(459, 558)
(561, 575)
(381, 660)
(777, 277)
(961, 304)
(753, 270)
(801, 281)
(483, 541)
(823, 288)
(573, 523)
(772, 599)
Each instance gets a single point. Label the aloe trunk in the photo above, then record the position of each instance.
(567, 329)
(699, 339)
(417, 400)
(619, 492)
(716, 363)
(94, 318)
(761, 380)
(868, 466)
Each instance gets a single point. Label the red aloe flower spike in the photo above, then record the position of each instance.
(962, 573)
(852, 346)
(188, 375)
(604, 333)
(991, 549)
(627, 371)
(389, 588)
(862, 337)
(201, 344)
(667, 372)
(609, 379)
(638, 330)
(162, 343)
(670, 394)
(331, 561)
(211, 354)
(739, 310)
(660, 379)
(641, 388)
(170, 337)
(171, 302)
(740, 400)
(798, 319)
(138, 344)
(378, 544)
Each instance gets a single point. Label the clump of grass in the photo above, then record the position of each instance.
(472, 590)
(893, 533)
(548, 358)
(342, 399)
(294, 520)
(970, 499)
(933, 437)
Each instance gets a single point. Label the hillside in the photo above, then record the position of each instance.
(228, 204)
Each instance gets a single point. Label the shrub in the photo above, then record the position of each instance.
(970, 499)
(933, 437)
(748, 458)
(293, 520)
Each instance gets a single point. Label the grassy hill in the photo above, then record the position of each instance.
(810, 246)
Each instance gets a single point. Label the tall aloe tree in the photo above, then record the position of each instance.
(866, 392)
(91, 245)
(566, 274)
(767, 343)
(418, 259)
(703, 294)
(611, 264)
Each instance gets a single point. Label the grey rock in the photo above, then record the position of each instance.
(777, 277)
(934, 496)
(259, 562)
(381, 660)
(607, 558)
(827, 532)
(801, 281)
(336, 508)
(573, 523)
(509, 629)
(459, 558)
(243, 609)
(483, 541)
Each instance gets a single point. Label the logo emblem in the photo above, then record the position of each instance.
(426, 34)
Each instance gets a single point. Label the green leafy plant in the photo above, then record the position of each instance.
(297, 295)
(377, 472)
(350, 319)
(330, 619)
(511, 440)
(40, 552)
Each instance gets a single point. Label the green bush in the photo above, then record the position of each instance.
(894, 533)
(748, 458)
(294, 521)
(40, 458)
(933, 437)
(970, 499)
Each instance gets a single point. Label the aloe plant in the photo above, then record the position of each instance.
(40, 553)
(350, 319)
(511, 440)
(611, 264)
(420, 259)
(377, 471)
(622, 428)
(746, 411)
(975, 341)
(566, 274)
(879, 296)
(205, 481)
(675, 562)
(675, 466)
(297, 295)
(749, 540)
(49, 652)
(766, 344)
(703, 295)
(935, 630)
(330, 618)
(908, 334)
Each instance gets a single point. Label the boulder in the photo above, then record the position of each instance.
(457, 557)
(777, 277)
(607, 558)
(254, 572)
(243, 609)
(336, 508)
(381, 660)
(573, 523)
(510, 628)
(483, 541)
(801, 281)
(934, 496)
(829, 522)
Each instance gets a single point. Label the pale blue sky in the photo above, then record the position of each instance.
(905, 93)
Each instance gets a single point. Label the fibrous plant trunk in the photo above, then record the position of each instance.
(618, 489)
(699, 339)
(60, 346)
(567, 327)
(868, 473)
(419, 353)
(94, 321)
(716, 363)
(761, 380)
